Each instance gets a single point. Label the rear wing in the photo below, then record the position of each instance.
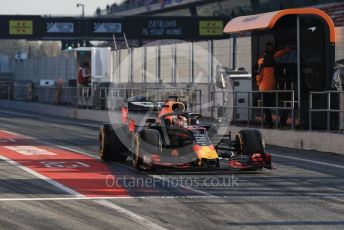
(143, 106)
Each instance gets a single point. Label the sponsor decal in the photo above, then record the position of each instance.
(312, 29)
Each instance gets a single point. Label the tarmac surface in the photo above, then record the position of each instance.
(51, 178)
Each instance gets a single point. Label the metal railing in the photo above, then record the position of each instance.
(331, 107)
(6, 92)
(242, 106)
(103, 98)
(85, 97)
(326, 109)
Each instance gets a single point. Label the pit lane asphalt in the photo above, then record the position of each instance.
(306, 191)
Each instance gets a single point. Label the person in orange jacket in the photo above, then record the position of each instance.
(266, 80)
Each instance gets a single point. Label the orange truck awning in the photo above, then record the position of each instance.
(268, 20)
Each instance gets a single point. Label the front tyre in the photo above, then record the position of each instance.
(251, 142)
(105, 148)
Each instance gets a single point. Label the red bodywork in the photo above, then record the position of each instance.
(255, 161)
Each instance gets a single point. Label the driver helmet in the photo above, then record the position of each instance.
(182, 121)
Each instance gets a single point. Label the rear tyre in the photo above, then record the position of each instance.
(251, 141)
(110, 146)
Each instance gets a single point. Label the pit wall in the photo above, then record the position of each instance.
(318, 141)
(305, 140)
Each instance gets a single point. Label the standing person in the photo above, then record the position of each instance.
(84, 74)
(84, 83)
(266, 80)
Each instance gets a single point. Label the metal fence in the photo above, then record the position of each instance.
(332, 109)
(103, 98)
(6, 92)
(247, 107)
(81, 97)
(227, 107)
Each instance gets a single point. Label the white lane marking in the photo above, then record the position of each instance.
(9, 132)
(310, 161)
(134, 217)
(40, 176)
(63, 164)
(6, 140)
(29, 150)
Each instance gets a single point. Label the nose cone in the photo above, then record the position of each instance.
(205, 152)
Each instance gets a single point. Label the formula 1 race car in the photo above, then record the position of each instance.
(171, 137)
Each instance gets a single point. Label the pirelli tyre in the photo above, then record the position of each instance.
(111, 147)
(250, 141)
(147, 142)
